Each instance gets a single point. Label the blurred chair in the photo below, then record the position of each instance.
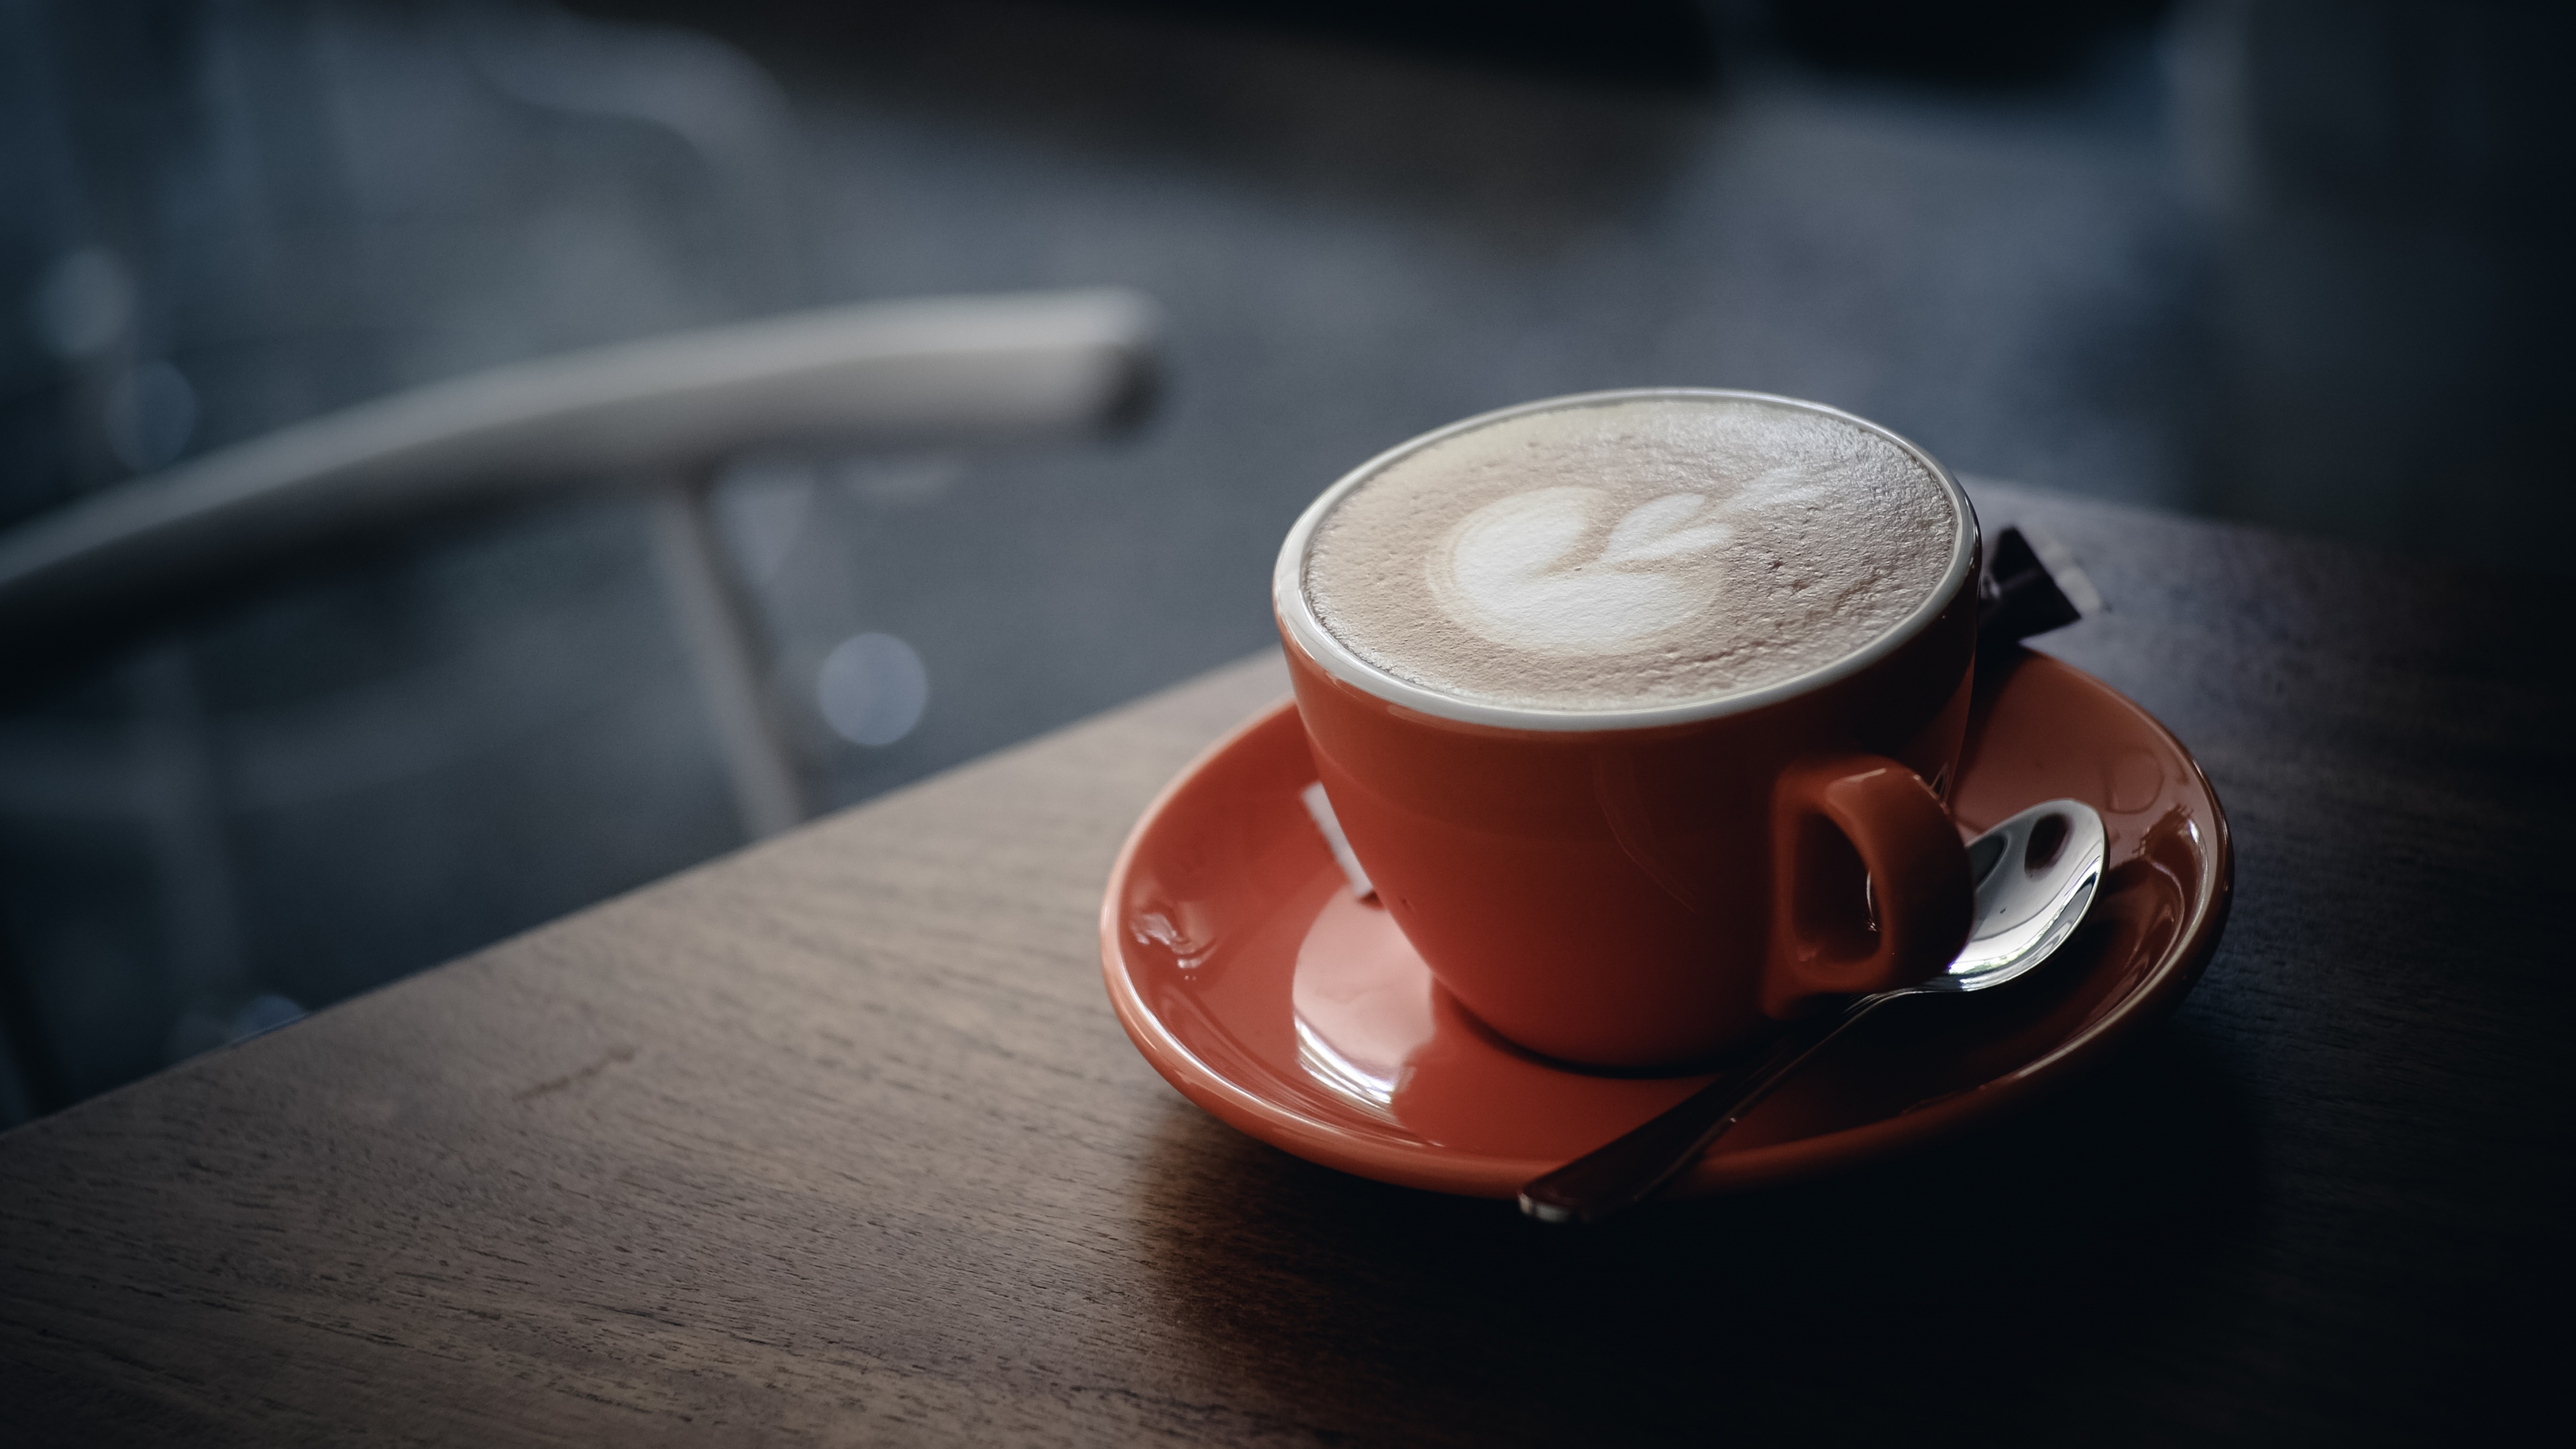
(654, 418)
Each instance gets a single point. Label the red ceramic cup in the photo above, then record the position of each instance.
(1652, 887)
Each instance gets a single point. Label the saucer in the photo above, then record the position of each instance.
(1245, 970)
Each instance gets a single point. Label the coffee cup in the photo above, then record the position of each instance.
(1639, 709)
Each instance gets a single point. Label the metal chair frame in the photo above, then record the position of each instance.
(655, 418)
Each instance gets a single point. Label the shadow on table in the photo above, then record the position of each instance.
(1975, 1291)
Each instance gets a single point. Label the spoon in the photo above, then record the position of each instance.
(2035, 876)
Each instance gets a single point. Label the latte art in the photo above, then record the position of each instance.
(1514, 571)
(1630, 552)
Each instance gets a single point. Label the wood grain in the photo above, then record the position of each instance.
(835, 1140)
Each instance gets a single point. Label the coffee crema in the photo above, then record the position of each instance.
(1631, 553)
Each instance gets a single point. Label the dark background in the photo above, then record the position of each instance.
(2297, 263)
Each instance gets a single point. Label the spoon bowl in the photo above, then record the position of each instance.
(2035, 876)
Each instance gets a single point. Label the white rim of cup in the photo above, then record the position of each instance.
(1288, 592)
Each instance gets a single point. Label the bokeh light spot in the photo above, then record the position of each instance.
(151, 414)
(872, 689)
(83, 303)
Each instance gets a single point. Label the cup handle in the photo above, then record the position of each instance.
(1870, 887)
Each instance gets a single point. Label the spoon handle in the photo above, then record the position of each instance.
(1630, 1168)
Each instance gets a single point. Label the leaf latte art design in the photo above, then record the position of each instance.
(1510, 572)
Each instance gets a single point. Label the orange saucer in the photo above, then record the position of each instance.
(1245, 971)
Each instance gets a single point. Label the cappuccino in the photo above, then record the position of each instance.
(1631, 552)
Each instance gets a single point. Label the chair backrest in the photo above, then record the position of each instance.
(967, 368)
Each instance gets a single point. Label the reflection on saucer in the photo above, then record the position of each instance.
(1362, 1001)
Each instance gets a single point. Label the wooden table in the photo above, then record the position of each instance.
(836, 1140)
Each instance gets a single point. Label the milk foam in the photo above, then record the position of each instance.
(1630, 553)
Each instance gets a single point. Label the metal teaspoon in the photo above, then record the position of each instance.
(2035, 875)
